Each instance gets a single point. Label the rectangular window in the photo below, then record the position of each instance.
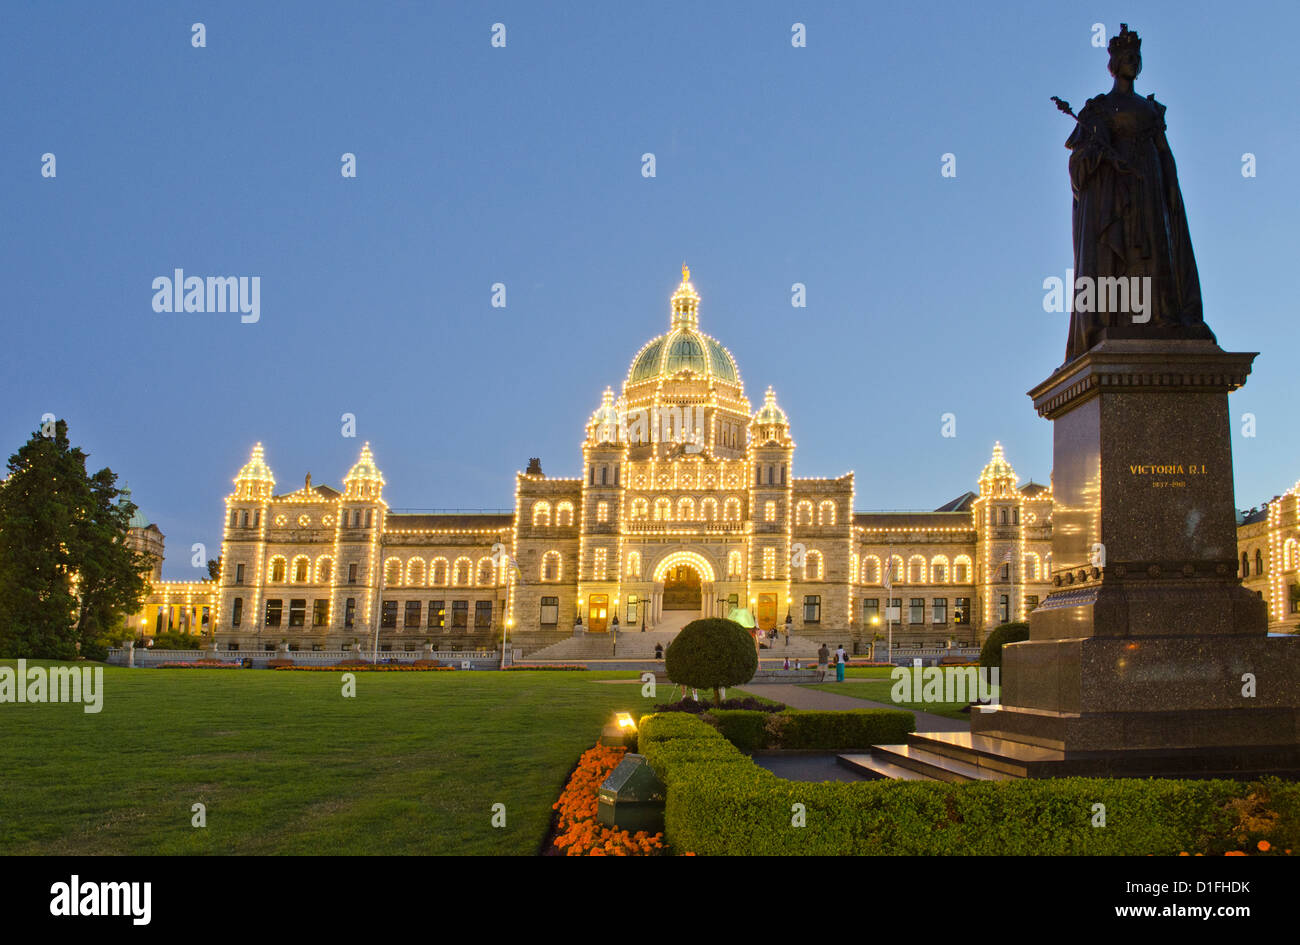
(206, 616)
(437, 614)
(812, 608)
(633, 612)
(1004, 608)
(237, 613)
(350, 612)
(232, 647)
(961, 611)
(550, 611)
(367, 518)
(1006, 571)
(769, 511)
(352, 574)
(297, 611)
(916, 610)
(733, 601)
(602, 511)
(388, 616)
(1015, 516)
(769, 563)
(234, 518)
(940, 613)
(460, 611)
(412, 613)
(320, 613)
(482, 614)
(598, 568)
(239, 574)
(894, 610)
(273, 610)
(257, 517)
(871, 611)
(604, 475)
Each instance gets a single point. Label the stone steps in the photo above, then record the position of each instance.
(589, 646)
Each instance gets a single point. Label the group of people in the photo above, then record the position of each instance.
(841, 660)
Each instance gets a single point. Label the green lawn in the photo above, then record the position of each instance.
(285, 764)
(877, 689)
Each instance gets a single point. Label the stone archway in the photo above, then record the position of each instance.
(683, 589)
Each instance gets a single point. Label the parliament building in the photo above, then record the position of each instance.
(687, 505)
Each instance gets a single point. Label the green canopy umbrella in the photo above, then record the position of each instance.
(742, 616)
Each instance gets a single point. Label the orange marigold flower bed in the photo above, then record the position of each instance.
(577, 831)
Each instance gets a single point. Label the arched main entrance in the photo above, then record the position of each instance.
(683, 589)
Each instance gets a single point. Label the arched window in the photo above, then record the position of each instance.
(709, 510)
(438, 572)
(870, 570)
(803, 513)
(415, 572)
(564, 514)
(663, 510)
(916, 570)
(1245, 565)
(1290, 551)
(731, 509)
(551, 566)
(301, 565)
(541, 514)
(485, 573)
(734, 564)
(826, 513)
(1259, 561)
(634, 564)
(462, 573)
(1032, 567)
(962, 569)
(278, 565)
(939, 569)
(896, 570)
(640, 510)
(813, 566)
(324, 569)
(392, 572)
(685, 509)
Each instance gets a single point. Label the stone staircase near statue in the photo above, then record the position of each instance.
(588, 646)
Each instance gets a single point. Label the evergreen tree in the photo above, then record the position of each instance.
(67, 575)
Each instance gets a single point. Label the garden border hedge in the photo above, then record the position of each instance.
(721, 803)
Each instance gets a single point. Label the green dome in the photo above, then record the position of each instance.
(684, 349)
(139, 520)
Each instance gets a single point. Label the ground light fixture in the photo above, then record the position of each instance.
(620, 732)
(632, 797)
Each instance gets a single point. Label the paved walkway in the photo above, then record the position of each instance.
(797, 697)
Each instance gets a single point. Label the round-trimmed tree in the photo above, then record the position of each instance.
(710, 654)
(991, 651)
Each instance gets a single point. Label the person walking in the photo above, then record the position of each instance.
(788, 621)
(841, 659)
(823, 657)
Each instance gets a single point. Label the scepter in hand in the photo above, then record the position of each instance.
(1120, 164)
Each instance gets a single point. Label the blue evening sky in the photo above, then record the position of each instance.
(522, 165)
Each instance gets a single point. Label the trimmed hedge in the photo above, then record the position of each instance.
(721, 803)
(745, 729)
(837, 731)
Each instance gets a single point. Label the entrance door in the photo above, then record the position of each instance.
(766, 615)
(598, 613)
(682, 589)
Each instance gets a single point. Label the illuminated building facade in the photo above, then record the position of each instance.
(687, 505)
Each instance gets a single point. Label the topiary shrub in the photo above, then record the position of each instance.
(711, 654)
(991, 652)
